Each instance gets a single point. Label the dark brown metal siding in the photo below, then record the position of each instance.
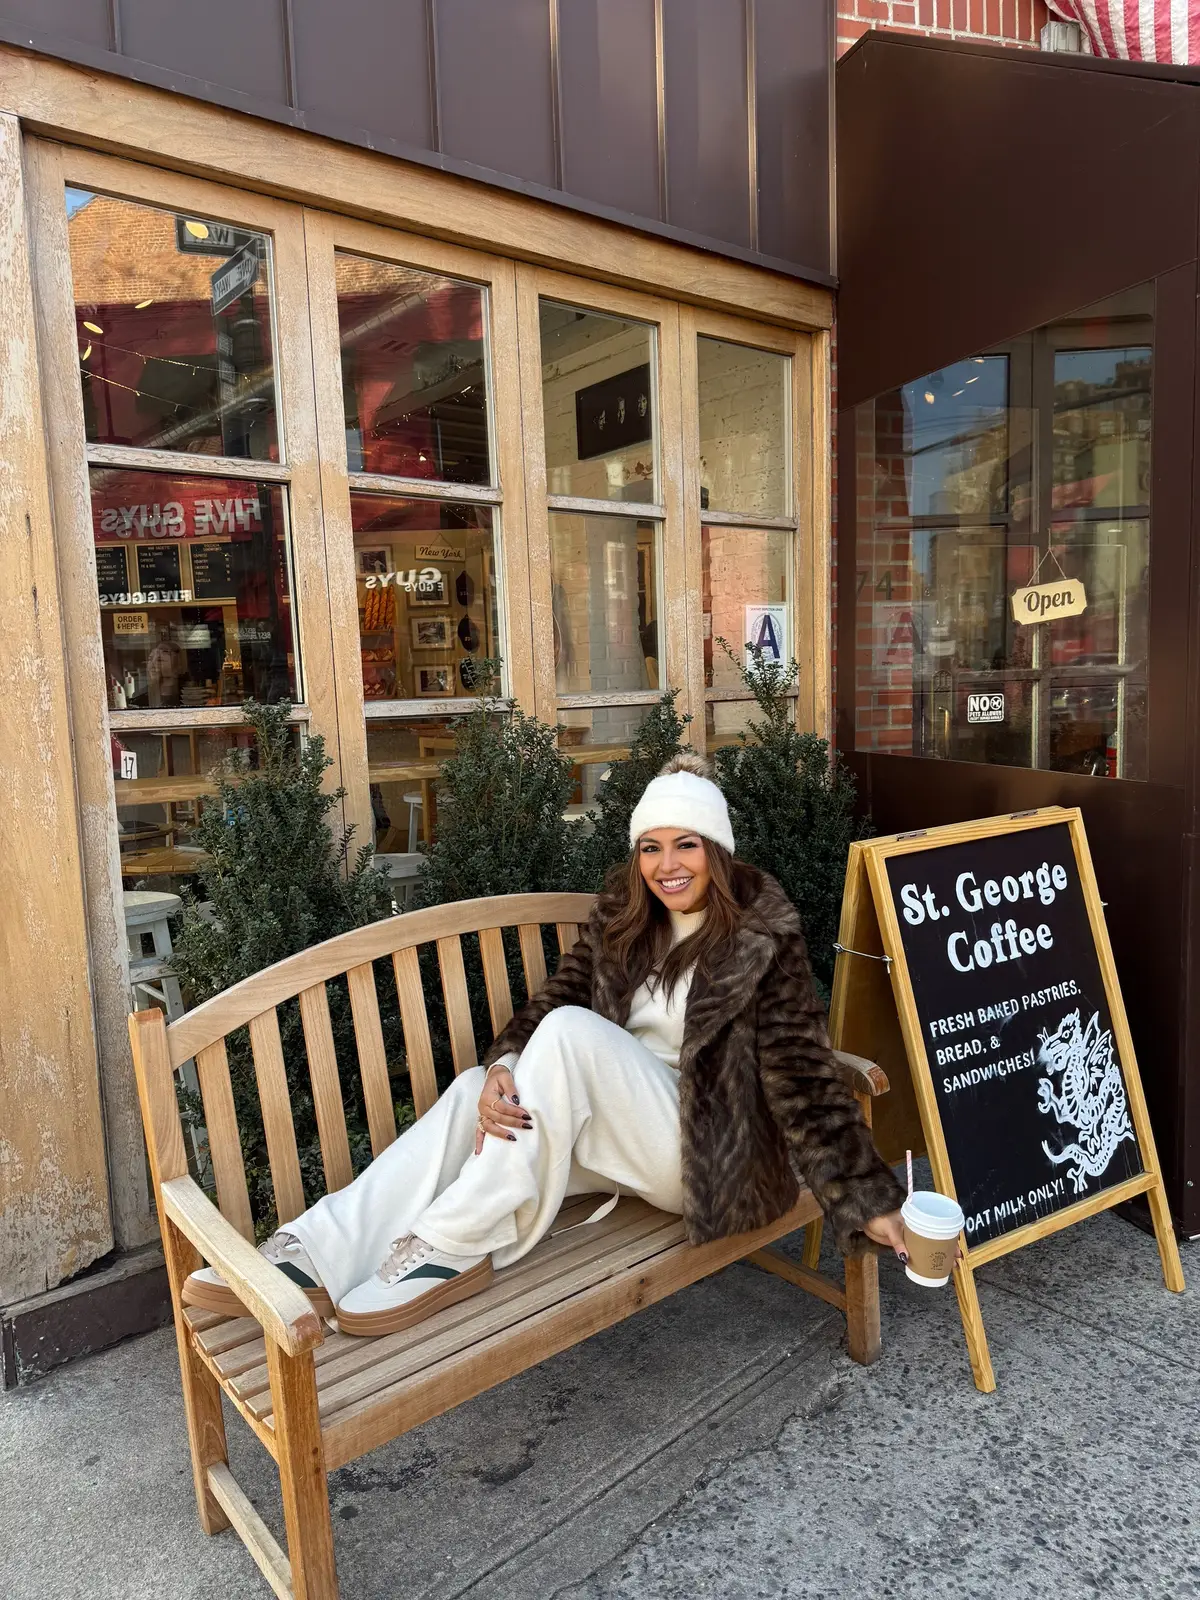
(704, 120)
(608, 72)
(347, 84)
(1062, 183)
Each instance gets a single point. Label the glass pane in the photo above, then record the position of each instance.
(1035, 475)
(594, 738)
(194, 589)
(745, 460)
(598, 403)
(427, 595)
(173, 316)
(604, 588)
(726, 720)
(1102, 428)
(745, 588)
(157, 809)
(414, 372)
(402, 765)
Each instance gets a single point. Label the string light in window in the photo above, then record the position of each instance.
(86, 353)
(142, 304)
(929, 397)
(198, 230)
(93, 327)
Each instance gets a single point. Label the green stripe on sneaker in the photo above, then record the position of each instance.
(296, 1275)
(430, 1271)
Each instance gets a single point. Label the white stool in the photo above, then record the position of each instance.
(402, 871)
(414, 801)
(147, 917)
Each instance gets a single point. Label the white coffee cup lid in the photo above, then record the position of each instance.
(933, 1215)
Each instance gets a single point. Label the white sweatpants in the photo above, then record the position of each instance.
(605, 1116)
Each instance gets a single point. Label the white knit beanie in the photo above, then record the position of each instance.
(683, 796)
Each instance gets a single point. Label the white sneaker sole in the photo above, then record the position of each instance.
(394, 1319)
(219, 1297)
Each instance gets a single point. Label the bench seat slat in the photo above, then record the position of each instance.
(418, 1047)
(326, 1086)
(376, 1418)
(276, 1105)
(537, 1272)
(372, 1057)
(224, 1140)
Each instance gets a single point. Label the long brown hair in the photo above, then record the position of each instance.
(638, 936)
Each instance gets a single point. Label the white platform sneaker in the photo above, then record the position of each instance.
(208, 1289)
(415, 1280)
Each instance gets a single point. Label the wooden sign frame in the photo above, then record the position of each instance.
(873, 1013)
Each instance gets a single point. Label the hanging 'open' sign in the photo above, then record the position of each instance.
(1043, 602)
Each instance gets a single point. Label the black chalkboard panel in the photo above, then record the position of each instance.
(1016, 1025)
(110, 571)
(212, 572)
(158, 567)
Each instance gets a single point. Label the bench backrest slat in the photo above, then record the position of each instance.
(326, 1086)
(224, 1142)
(495, 975)
(533, 957)
(372, 1057)
(271, 1076)
(347, 959)
(458, 1003)
(418, 1046)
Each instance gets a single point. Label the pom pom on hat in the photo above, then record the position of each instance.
(683, 796)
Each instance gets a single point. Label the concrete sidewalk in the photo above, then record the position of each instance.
(718, 1445)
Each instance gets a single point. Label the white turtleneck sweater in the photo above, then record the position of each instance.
(655, 1019)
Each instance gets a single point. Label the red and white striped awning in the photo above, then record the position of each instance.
(1137, 30)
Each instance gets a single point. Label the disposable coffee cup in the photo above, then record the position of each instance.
(932, 1224)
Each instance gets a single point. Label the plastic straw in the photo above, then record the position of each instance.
(908, 1158)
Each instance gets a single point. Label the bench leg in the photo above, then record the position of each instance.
(300, 1456)
(201, 1392)
(811, 1256)
(862, 1308)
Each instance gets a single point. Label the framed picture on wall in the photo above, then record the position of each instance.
(430, 592)
(373, 561)
(432, 633)
(433, 681)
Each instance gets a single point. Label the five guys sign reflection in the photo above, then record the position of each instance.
(1016, 1025)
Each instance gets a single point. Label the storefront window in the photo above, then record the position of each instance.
(599, 406)
(403, 756)
(173, 316)
(1024, 468)
(414, 372)
(745, 590)
(194, 590)
(606, 637)
(745, 463)
(427, 596)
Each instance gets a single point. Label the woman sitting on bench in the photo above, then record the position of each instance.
(679, 1054)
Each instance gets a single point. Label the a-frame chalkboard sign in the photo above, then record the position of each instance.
(974, 966)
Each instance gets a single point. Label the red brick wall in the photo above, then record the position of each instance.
(999, 21)
(1009, 22)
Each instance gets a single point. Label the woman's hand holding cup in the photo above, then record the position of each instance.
(500, 1109)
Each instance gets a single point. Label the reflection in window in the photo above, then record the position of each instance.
(427, 596)
(402, 763)
(1036, 473)
(745, 463)
(414, 372)
(173, 317)
(194, 590)
(745, 589)
(598, 405)
(163, 780)
(605, 604)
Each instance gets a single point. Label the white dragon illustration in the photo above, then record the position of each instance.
(1091, 1098)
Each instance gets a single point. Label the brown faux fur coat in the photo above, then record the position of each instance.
(758, 1081)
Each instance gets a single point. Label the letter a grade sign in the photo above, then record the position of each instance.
(1019, 1061)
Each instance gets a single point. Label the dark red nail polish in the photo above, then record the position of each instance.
(516, 1099)
(512, 1136)
(904, 1257)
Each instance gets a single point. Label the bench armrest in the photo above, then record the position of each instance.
(282, 1308)
(863, 1076)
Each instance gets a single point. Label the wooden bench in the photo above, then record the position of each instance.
(317, 1399)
